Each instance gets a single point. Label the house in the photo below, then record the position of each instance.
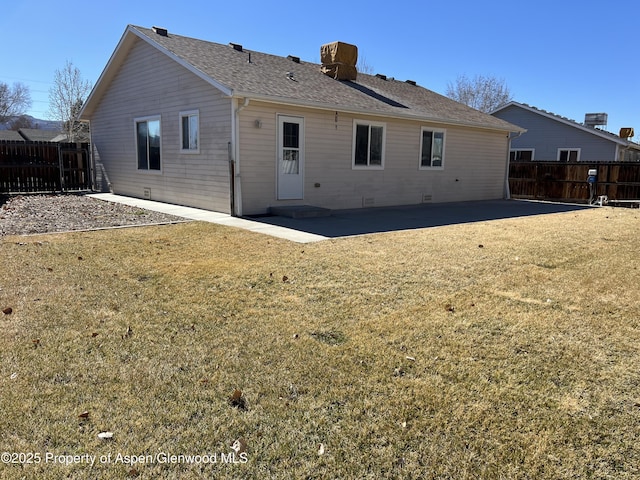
(220, 127)
(38, 135)
(10, 135)
(555, 138)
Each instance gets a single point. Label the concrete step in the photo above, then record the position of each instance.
(299, 211)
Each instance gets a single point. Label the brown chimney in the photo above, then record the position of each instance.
(339, 60)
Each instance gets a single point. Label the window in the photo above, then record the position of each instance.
(521, 155)
(148, 143)
(569, 154)
(290, 163)
(432, 148)
(368, 145)
(190, 132)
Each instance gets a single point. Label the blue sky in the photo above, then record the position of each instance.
(569, 57)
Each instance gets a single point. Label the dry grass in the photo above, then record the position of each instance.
(505, 349)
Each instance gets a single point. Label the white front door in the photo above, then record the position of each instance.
(290, 158)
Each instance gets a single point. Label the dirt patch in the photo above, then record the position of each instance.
(31, 214)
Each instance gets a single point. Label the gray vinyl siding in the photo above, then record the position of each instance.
(547, 135)
(149, 84)
(474, 166)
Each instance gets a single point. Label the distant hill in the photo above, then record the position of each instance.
(38, 123)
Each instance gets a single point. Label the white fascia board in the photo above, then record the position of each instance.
(100, 84)
(571, 123)
(223, 88)
(119, 54)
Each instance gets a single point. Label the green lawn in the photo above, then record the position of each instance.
(505, 349)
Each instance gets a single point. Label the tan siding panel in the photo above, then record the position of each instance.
(474, 162)
(149, 83)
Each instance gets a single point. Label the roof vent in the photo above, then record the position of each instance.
(381, 76)
(595, 119)
(411, 82)
(160, 31)
(236, 46)
(293, 59)
(339, 60)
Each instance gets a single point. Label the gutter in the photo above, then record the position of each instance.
(507, 190)
(235, 184)
(368, 112)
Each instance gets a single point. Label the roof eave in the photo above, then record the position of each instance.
(118, 56)
(602, 134)
(364, 111)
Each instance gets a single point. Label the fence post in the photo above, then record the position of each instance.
(60, 168)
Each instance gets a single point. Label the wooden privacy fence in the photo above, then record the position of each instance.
(30, 167)
(568, 181)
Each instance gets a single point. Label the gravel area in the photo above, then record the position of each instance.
(30, 214)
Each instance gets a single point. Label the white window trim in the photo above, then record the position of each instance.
(189, 113)
(353, 148)
(532, 150)
(579, 150)
(147, 171)
(444, 144)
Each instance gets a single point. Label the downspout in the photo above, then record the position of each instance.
(507, 190)
(234, 158)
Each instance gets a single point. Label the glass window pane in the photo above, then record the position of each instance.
(573, 156)
(564, 154)
(376, 146)
(193, 132)
(362, 143)
(290, 161)
(154, 144)
(438, 148)
(142, 140)
(185, 133)
(291, 135)
(426, 149)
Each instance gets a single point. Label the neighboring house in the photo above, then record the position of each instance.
(555, 138)
(11, 135)
(38, 135)
(220, 127)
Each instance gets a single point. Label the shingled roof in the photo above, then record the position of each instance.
(567, 121)
(243, 73)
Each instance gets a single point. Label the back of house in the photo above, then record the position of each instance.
(224, 128)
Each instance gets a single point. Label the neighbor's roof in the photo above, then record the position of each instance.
(11, 135)
(38, 135)
(255, 75)
(567, 121)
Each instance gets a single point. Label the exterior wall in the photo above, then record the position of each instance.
(149, 83)
(546, 136)
(474, 164)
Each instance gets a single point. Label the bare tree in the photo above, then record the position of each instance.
(66, 98)
(481, 92)
(23, 121)
(364, 67)
(14, 101)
